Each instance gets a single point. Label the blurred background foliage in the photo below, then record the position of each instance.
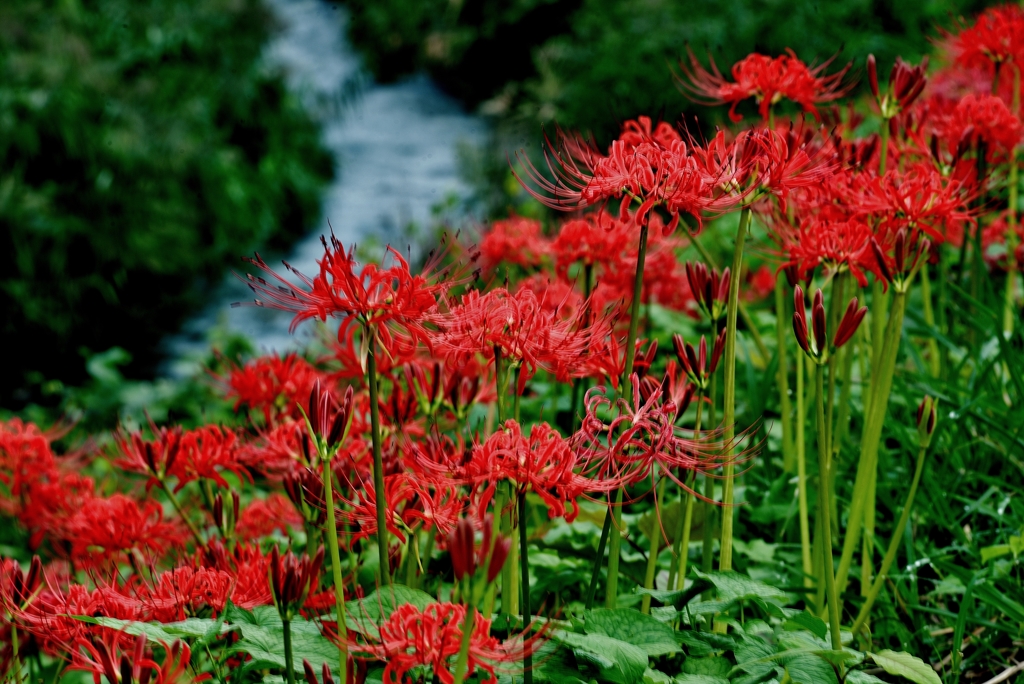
(589, 64)
(144, 146)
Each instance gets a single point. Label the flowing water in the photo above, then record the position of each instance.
(395, 146)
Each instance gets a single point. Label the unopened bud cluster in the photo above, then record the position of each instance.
(468, 559)
(817, 346)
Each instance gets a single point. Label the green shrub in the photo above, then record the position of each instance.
(143, 146)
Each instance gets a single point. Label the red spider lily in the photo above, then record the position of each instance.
(918, 197)
(47, 506)
(838, 246)
(205, 452)
(656, 168)
(996, 37)
(262, 517)
(818, 347)
(392, 301)
(980, 118)
(709, 287)
(639, 439)
(759, 284)
(435, 505)
(594, 240)
(796, 159)
(271, 384)
(359, 509)
(428, 639)
(51, 622)
(766, 79)
(518, 327)
(181, 592)
(292, 579)
(455, 388)
(17, 587)
(437, 458)
(328, 419)
(542, 462)
(25, 456)
(248, 568)
(696, 362)
(516, 240)
(905, 85)
(278, 451)
(606, 361)
(106, 531)
(467, 557)
(105, 657)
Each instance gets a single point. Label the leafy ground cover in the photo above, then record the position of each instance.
(584, 451)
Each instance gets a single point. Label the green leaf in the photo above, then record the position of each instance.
(861, 677)
(712, 667)
(657, 677)
(554, 663)
(700, 679)
(654, 637)
(811, 623)
(810, 669)
(906, 665)
(990, 552)
(363, 616)
(754, 656)
(677, 598)
(169, 632)
(612, 660)
(705, 643)
(266, 646)
(264, 616)
(733, 585)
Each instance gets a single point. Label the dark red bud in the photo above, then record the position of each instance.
(819, 323)
(702, 355)
(883, 266)
(310, 673)
(460, 546)
(218, 509)
(850, 322)
(716, 352)
(873, 76)
(502, 546)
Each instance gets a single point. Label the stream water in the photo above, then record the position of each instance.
(395, 146)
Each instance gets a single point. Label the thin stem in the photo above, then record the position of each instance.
(729, 419)
(611, 587)
(801, 475)
(929, 318)
(681, 547)
(838, 292)
(599, 558)
(884, 150)
(524, 558)
(655, 536)
(181, 513)
(339, 581)
(873, 422)
(825, 509)
(15, 657)
(378, 467)
(467, 636)
(707, 559)
(289, 672)
(894, 543)
(782, 379)
(579, 387)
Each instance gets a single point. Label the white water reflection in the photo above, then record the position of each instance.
(396, 149)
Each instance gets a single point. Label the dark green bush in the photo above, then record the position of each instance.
(143, 146)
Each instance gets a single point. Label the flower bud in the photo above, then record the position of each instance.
(926, 420)
(819, 323)
(850, 322)
(873, 76)
(502, 546)
(461, 548)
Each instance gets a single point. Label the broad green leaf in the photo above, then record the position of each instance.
(555, 664)
(733, 585)
(700, 679)
(266, 646)
(758, 550)
(657, 677)
(363, 616)
(710, 667)
(906, 665)
(755, 657)
(655, 638)
(168, 632)
(861, 677)
(811, 623)
(263, 616)
(705, 643)
(810, 669)
(677, 598)
(612, 660)
(990, 552)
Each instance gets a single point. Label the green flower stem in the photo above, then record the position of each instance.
(15, 657)
(289, 672)
(655, 536)
(611, 587)
(729, 408)
(873, 422)
(842, 423)
(707, 559)
(611, 590)
(879, 307)
(894, 543)
(524, 558)
(884, 148)
(378, 467)
(579, 387)
(782, 379)
(339, 581)
(825, 508)
(837, 304)
(929, 318)
(1009, 296)
(748, 320)
(181, 512)
(599, 558)
(467, 636)
(806, 561)
(681, 540)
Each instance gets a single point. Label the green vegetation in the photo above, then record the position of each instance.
(143, 147)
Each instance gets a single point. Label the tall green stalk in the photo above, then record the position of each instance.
(527, 614)
(806, 560)
(462, 662)
(825, 507)
(894, 543)
(611, 593)
(289, 669)
(874, 420)
(378, 467)
(15, 656)
(729, 406)
(782, 379)
(655, 536)
(681, 540)
(707, 559)
(1010, 293)
(339, 582)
